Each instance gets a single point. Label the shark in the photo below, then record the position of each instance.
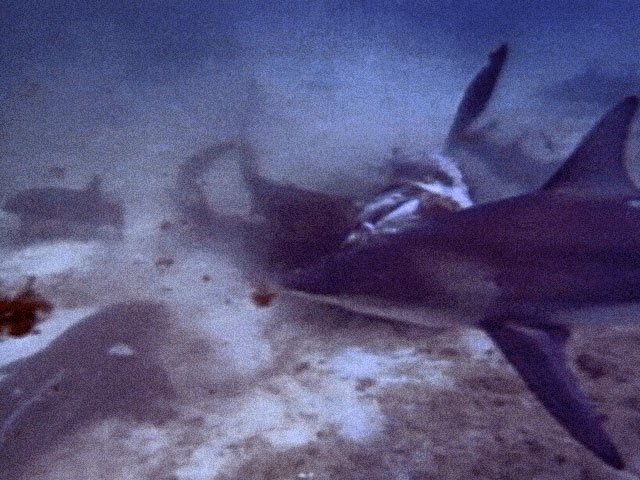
(293, 226)
(63, 207)
(492, 168)
(525, 270)
(107, 366)
(305, 224)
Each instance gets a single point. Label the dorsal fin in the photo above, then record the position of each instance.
(598, 165)
(477, 95)
(94, 185)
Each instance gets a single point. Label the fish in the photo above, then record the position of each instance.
(524, 269)
(424, 186)
(303, 219)
(289, 225)
(55, 209)
(299, 219)
(462, 135)
(294, 226)
(107, 366)
(492, 168)
(417, 189)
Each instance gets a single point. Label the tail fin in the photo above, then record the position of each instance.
(249, 167)
(95, 185)
(477, 95)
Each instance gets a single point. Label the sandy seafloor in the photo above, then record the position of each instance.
(171, 372)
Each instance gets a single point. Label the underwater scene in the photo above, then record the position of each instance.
(323, 239)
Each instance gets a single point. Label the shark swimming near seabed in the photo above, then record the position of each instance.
(294, 225)
(523, 269)
(493, 169)
(54, 212)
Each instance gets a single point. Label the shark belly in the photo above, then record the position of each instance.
(428, 315)
(597, 315)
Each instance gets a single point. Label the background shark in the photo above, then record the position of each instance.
(53, 212)
(522, 269)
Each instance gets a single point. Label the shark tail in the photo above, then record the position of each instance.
(477, 96)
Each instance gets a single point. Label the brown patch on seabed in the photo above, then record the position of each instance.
(20, 312)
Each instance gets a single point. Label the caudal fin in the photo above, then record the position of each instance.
(477, 95)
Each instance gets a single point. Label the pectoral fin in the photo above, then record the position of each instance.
(537, 353)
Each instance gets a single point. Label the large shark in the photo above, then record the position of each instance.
(523, 269)
(493, 169)
(300, 225)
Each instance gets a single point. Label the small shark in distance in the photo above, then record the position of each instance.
(523, 269)
(55, 211)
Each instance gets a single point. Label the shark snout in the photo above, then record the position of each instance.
(315, 279)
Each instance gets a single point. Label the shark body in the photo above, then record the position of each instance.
(308, 223)
(87, 206)
(65, 213)
(524, 270)
(296, 225)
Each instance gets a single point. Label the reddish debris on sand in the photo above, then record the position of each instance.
(262, 296)
(262, 299)
(57, 171)
(19, 314)
(165, 225)
(164, 262)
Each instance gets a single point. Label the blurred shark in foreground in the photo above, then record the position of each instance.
(524, 270)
